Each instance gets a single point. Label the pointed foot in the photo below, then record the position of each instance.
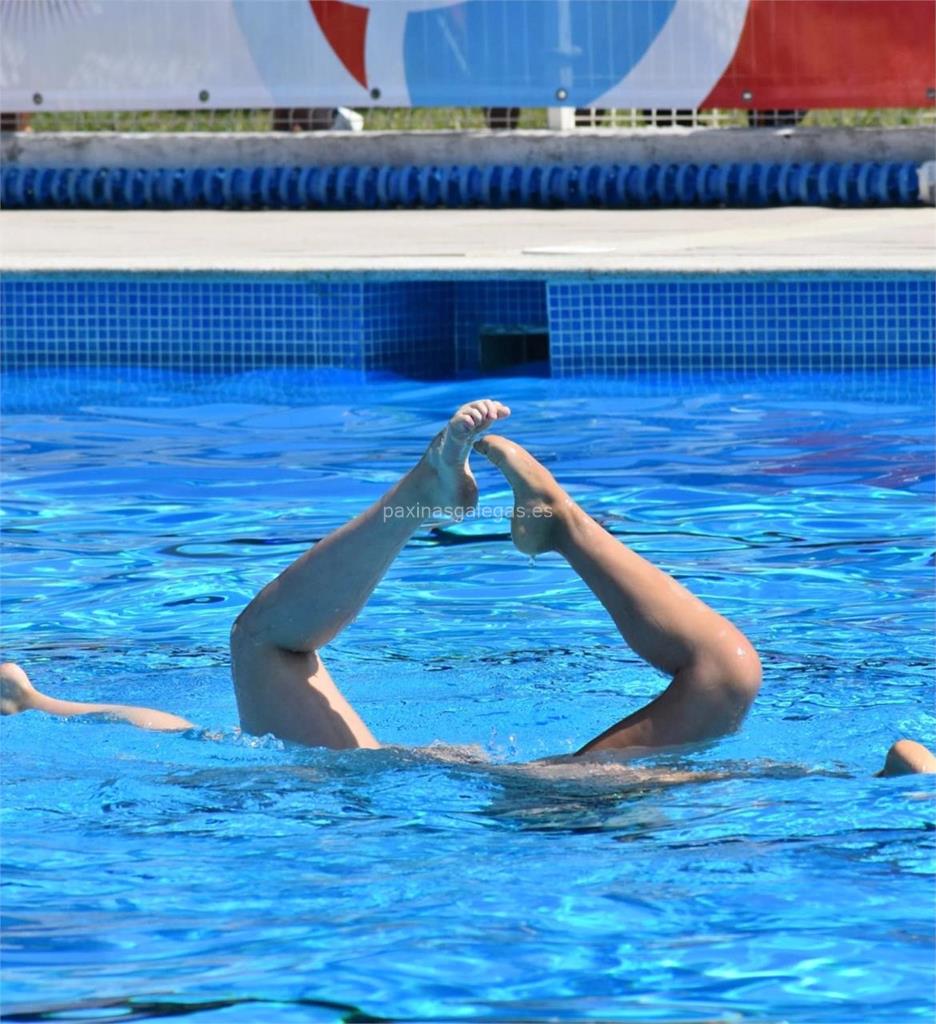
(541, 507)
(448, 482)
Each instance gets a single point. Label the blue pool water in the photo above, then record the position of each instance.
(215, 876)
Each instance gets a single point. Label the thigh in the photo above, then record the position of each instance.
(292, 695)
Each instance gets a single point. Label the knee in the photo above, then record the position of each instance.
(907, 757)
(250, 634)
(752, 674)
(9, 670)
(734, 681)
(243, 634)
(236, 635)
(720, 685)
(16, 691)
(238, 628)
(245, 642)
(742, 673)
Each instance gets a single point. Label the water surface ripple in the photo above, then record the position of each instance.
(219, 876)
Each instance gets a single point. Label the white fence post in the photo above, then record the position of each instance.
(561, 118)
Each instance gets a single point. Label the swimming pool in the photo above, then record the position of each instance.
(222, 877)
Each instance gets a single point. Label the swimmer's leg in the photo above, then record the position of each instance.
(281, 684)
(907, 757)
(715, 671)
(17, 694)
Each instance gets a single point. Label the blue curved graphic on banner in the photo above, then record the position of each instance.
(528, 49)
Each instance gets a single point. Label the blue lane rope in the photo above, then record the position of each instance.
(620, 186)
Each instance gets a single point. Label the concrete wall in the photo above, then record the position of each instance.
(648, 145)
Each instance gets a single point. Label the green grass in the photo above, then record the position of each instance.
(905, 118)
(399, 119)
(427, 119)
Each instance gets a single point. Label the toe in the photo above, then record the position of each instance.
(484, 411)
(495, 410)
(463, 424)
(475, 413)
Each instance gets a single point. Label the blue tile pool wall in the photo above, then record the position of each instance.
(218, 324)
(182, 322)
(508, 305)
(759, 324)
(407, 327)
(430, 326)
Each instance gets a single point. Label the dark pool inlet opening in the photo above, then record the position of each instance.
(516, 349)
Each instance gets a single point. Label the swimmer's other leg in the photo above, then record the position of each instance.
(18, 694)
(715, 671)
(907, 757)
(281, 684)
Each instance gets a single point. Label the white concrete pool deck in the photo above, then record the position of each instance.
(472, 241)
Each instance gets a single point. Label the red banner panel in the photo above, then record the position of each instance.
(832, 53)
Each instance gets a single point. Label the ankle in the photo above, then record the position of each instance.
(572, 527)
(543, 524)
(417, 487)
(412, 499)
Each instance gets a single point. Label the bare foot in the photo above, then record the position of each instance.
(17, 693)
(907, 757)
(541, 507)
(450, 483)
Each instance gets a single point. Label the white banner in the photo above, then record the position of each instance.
(186, 54)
